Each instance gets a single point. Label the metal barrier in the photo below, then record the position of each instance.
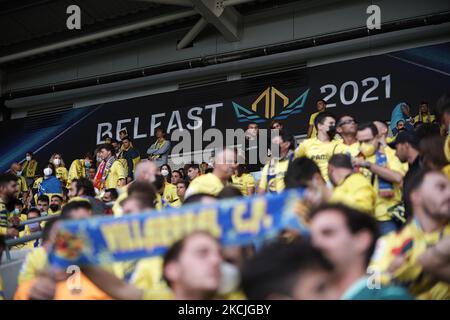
(37, 235)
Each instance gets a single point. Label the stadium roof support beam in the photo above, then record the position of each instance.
(99, 35)
(228, 3)
(225, 19)
(181, 3)
(190, 36)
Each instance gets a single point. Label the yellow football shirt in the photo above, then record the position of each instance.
(76, 171)
(29, 168)
(208, 183)
(352, 150)
(170, 193)
(61, 173)
(356, 192)
(35, 262)
(116, 172)
(243, 182)
(429, 118)
(2, 294)
(148, 276)
(311, 123)
(384, 203)
(272, 175)
(410, 242)
(318, 151)
(3, 218)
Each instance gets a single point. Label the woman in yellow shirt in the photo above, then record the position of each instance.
(60, 167)
(243, 181)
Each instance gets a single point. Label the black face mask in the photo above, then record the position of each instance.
(54, 207)
(331, 132)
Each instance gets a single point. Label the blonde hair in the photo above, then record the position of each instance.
(53, 158)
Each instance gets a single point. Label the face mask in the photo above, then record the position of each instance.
(211, 164)
(34, 226)
(48, 172)
(87, 164)
(99, 159)
(367, 149)
(16, 211)
(44, 213)
(56, 162)
(54, 207)
(109, 204)
(164, 173)
(331, 132)
(28, 158)
(19, 173)
(230, 278)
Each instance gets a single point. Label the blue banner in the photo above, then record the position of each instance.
(237, 221)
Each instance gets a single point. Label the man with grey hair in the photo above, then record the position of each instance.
(212, 183)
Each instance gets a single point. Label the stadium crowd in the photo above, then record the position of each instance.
(377, 206)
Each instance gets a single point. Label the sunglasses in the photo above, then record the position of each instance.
(346, 122)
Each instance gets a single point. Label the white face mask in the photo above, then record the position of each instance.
(48, 172)
(164, 172)
(56, 162)
(28, 158)
(230, 278)
(19, 173)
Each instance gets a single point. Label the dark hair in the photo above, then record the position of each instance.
(126, 138)
(338, 120)
(144, 192)
(159, 182)
(277, 268)
(272, 123)
(426, 130)
(35, 210)
(107, 147)
(423, 102)
(58, 196)
(186, 183)
(51, 166)
(48, 228)
(169, 169)
(432, 153)
(43, 198)
(321, 118)
(369, 125)
(356, 221)
(341, 160)
(30, 153)
(197, 198)
(193, 166)
(229, 192)
(321, 100)
(178, 171)
(416, 182)
(162, 131)
(86, 185)
(74, 205)
(113, 192)
(443, 105)
(89, 156)
(174, 252)
(287, 137)
(300, 172)
(6, 178)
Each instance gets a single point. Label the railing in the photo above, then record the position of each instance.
(36, 235)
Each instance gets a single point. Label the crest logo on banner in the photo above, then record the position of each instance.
(268, 101)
